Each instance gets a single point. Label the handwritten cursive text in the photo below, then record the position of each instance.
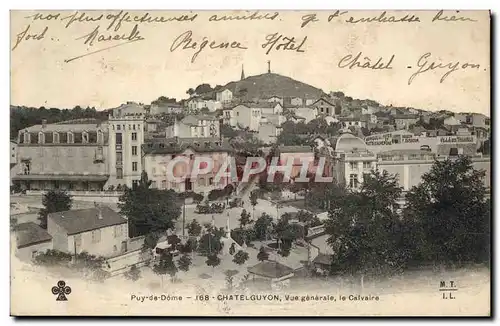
(424, 66)
(351, 62)
(279, 42)
(185, 42)
(27, 35)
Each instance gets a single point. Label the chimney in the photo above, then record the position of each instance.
(44, 123)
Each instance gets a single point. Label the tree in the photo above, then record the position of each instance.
(190, 246)
(262, 226)
(209, 244)
(149, 210)
(150, 241)
(254, 196)
(262, 254)
(241, 257)
(194, 228)
(203, 88)
(133, 274)
(364, 229)
(229, 277)
(184, 263)
(448, 215)
(244, 218)
(213, 260)
(190, 92)
(232, 249)
(53, 201)
(165, 266)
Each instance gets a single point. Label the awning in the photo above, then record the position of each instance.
(61, 177)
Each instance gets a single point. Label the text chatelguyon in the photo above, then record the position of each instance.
(300, 169)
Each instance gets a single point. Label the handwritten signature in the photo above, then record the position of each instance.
(27, 35)
(351, 62)
(424, 65)
(185, 42)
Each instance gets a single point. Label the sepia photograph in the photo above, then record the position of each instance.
(283, 163)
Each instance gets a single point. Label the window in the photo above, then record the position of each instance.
(118, 138)
(134, 166)
(55, 137)
(153, 184)
(134, 136)
(118, 127)
(117, 231)
(71, 139)
(367, 165)
(119, 158)
(353, 165)
(153, 171)
(119, 173)
(85, 138)
(163, 184)
(202, 131)
(210, 181)
(96, 236)
(133, 127)
(134, 150)
(353, 180)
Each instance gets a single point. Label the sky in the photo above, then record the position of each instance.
(47, 70)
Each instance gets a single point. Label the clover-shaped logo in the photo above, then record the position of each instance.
(61, 290)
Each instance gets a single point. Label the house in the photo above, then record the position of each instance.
(128, 108)
(451, 121)
(31, 239)
(307, 113)
(98, 231)
(269, 132)
(355, 122)
(201, 125)
(271, 271)
(224, 96)
(322, 263)
(247, 117)
(13, 153)
(404, 121)
(326, 107)
(296, 101)
(275, 99)
(198, 103)
(163, 108)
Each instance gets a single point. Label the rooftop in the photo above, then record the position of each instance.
(270, 269)
(29, 234)
(84, 220)
(179, 145)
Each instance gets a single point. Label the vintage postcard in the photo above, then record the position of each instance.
(250, 163)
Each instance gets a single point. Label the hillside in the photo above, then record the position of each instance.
(271, 84)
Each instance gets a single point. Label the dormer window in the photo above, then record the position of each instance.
(55, 137)
(172, 144)
(217, 143)
(85, 137)
(207, 144)
(197, 144)
(41, 137)
(162, 145)
(100, 138)
(26, 137)
(71, 138)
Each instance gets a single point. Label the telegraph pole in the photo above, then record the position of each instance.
(184, 218)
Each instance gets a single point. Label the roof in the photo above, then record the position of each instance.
(406, 116)
(295, 149)
(324, 100)
(270, 269)
(348, 142)
(62, 177)
(84, 220)
(272, 85)
(323, 259)
(30, 233)
(193, 119)
(405, 152)
(179, 145)
(66, 127)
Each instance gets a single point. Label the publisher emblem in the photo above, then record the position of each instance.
(61, 290)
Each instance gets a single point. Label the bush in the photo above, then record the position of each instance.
(53, 258)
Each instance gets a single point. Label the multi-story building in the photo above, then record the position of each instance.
(326, 107)
(356, 122)
(195, 126)
(98, 231)
(404, 121)
(126, 136)
(159, 153)
(224, 96)
(351, 160)
(72, 155)
(409, 165)
(474, 119)
(13, 153)
(198, 103)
